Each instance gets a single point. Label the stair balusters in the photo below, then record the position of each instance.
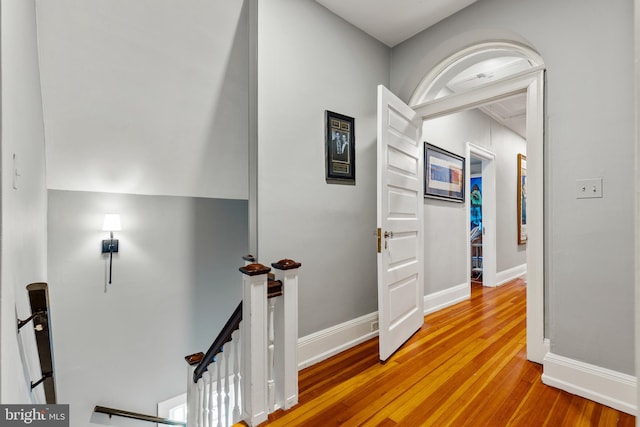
(257, 370)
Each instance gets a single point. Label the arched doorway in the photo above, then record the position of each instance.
(516, 70)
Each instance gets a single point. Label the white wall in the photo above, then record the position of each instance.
(311, 61)
(24, 208)
(146, 96)
(446, 228)
(175, 283)
(589, 133)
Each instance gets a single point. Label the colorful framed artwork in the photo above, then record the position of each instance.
(475, 201)
(522, 199)
(340, 148)
(444, 174)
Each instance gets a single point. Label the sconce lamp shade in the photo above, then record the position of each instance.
(111, 222)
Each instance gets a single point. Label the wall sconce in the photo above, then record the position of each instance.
(111, 224)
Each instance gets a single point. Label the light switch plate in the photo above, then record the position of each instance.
(589, 188)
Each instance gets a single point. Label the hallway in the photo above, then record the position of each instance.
(465, 367)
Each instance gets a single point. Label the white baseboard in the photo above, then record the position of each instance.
(601, 385)
(504, 276)
(323, 344)
(441, 299)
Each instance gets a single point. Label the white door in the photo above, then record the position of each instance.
(400, 222)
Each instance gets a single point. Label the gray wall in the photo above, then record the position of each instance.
(23, 240)
(175, 283)
(146, 97)
(445, 223)
(311, 61)
(588, 51)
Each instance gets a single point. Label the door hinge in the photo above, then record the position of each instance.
(379, 240)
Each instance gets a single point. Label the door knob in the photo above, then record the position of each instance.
(387, 234)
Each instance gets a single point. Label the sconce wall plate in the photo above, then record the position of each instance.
(111, 224)
(109, 245)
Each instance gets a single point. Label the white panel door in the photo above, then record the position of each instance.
(400, 222)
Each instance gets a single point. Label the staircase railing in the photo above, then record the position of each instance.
(40, 305)
(250, 370)
(136, 416)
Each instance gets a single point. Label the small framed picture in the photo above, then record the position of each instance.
(340, 148)
(443, 174)
(522, 199)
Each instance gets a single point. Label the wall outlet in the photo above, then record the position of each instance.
(374, 326)
(590, 188)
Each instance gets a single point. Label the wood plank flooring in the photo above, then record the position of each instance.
(465, 367)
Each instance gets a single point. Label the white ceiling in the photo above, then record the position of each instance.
(394, 21)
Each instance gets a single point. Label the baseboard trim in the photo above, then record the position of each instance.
(601, 385)
(441, 299)
(504, 276)
(323, 344)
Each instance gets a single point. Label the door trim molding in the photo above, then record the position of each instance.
(446, 69)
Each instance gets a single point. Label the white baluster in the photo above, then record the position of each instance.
(227, 388)
(219, 390)
(211, 408)
(271, 390)
(198, 405)
(236, 375)
(201, 401)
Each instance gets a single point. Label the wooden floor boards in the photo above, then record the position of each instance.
(465, 367)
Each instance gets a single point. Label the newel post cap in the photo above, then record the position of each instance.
(254, 269)
(194, 359)
(286, 264)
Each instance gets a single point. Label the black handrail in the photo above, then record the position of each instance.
(137, 416)
(39, 302)
(216, 347)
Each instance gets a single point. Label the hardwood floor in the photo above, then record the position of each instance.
(465, 367)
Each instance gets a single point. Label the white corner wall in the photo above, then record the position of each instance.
(146, 97)
(24, 205)
(311, 61)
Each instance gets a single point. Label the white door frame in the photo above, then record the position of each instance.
(489, 222)
(530, 82)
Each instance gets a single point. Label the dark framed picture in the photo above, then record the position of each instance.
(522, 199)
(443, 174)
(340, 148)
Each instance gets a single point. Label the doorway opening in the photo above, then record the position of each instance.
(519, 72)
(475, 223)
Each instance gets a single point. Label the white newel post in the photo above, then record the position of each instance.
(193, 394)
(254, 343)
(287, 328)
